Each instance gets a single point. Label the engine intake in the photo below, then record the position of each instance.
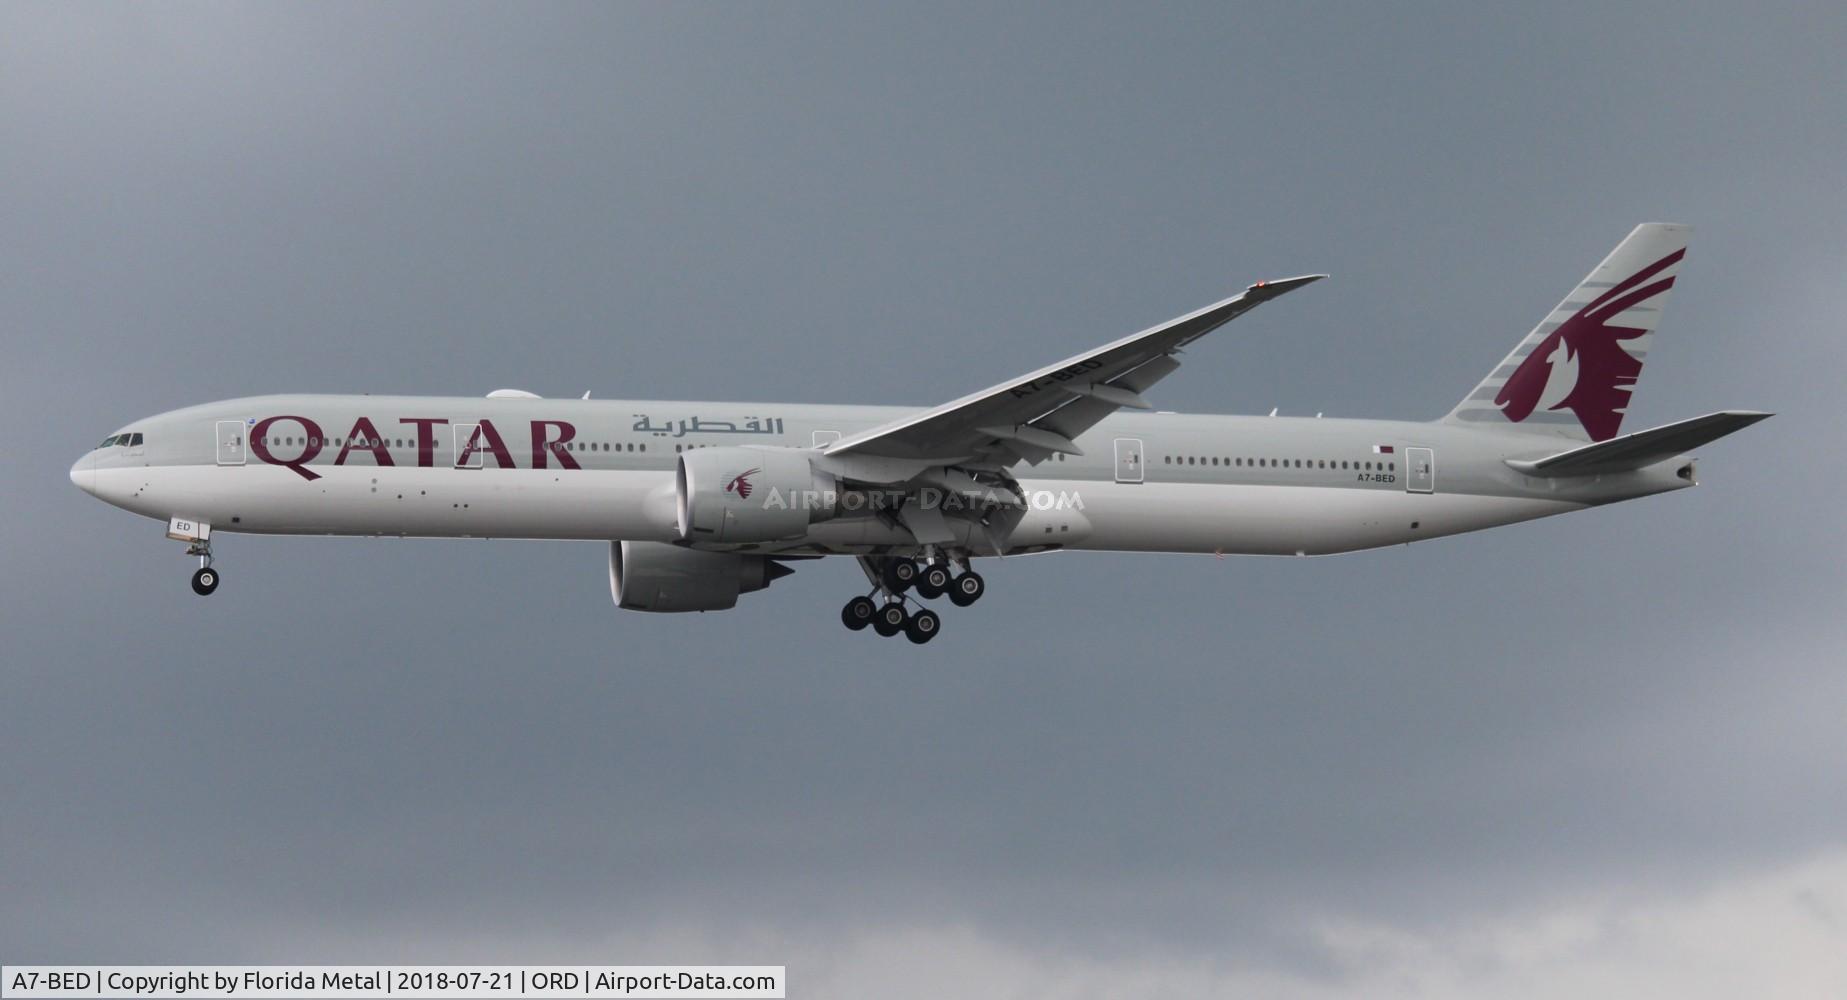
(655, 576)
(751, 494)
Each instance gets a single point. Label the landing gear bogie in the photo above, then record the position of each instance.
(899, 586)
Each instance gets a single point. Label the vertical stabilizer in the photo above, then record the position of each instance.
(1573, 374)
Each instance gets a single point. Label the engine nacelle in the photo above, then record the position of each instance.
(655, 576)
(751, 494)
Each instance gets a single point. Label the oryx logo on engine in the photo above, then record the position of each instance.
(740, 484)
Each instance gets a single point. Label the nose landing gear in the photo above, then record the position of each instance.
(205, 578)
(198, 538)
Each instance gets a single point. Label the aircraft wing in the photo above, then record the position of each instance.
(1037, 415)
(1641, 449)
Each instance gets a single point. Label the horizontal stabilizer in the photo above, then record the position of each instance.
(1643, 448)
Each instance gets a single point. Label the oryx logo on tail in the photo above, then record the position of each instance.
(1582, 366)
(1573, 374)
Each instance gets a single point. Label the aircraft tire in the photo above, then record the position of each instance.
(966, 589)
(858, 613)
(899, 574)
(890, 620)
(922, 626)
(935, 581)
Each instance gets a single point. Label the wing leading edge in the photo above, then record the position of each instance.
(1037, 415)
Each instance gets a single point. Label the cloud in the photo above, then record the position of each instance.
(1779, 932)
(1551, 755)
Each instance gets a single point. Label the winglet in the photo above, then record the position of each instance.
(1264, 291)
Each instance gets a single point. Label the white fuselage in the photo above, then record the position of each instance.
(400, 466)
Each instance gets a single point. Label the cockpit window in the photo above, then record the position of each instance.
(108, 441)
(134, 440)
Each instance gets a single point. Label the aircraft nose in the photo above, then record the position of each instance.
(83, 474)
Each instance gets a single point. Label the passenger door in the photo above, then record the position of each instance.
(1129, 460)
(1420, 473)
(232, 446)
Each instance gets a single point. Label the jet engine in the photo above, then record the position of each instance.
(751, 494)
(655, 576)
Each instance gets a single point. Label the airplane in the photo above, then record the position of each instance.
(701, 502)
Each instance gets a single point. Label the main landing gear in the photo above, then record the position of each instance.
(892, 578)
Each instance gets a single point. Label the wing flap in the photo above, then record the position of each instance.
(1641, 449)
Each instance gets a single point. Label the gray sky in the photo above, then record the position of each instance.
(1599, 753)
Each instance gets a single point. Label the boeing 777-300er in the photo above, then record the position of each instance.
(702, 502)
